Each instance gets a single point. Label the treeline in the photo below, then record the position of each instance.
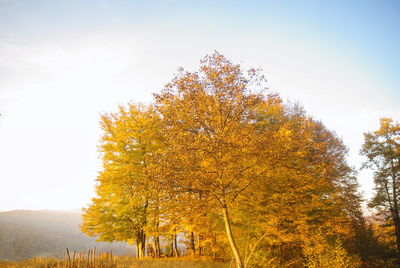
(234, 172)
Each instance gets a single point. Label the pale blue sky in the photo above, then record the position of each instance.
(62, 63)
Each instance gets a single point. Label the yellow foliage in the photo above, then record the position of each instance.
(320, 253)
(224, 163)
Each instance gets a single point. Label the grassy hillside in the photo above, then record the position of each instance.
(26, 234)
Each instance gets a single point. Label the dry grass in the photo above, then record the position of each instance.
(107, 260)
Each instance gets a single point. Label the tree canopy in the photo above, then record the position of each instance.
(226, 163)
(382, 149)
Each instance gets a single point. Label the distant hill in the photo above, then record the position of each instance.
(25, 234)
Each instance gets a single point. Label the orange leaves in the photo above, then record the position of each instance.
(214, 143)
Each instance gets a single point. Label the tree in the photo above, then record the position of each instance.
(244, 150)
(382, 148)
(127, 199)
(231, 167)
(308, 190)
(211, 127)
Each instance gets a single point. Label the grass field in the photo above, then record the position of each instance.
(116, 262)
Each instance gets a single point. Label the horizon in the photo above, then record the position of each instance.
(44, 210)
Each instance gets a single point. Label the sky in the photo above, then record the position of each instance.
(64, 63)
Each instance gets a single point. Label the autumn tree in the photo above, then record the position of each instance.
(127, 202)
(235, 145)
(211, 127)
(226, 164)
(382, 148)
(308, 190)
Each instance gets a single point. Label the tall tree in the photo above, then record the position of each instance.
(210, 119)
(382, 148)
(308, 190)
(127, 196)
(223, 162)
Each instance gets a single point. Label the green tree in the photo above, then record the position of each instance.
(382, 148)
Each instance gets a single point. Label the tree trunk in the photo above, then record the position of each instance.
(396, 217)
(140, 244)
(139, 250)
(141, 236)
(157, 246)
(201, 250)
(214, 245)
(192, 244)
(235, 251)
(171, 253)
(176, 246)
(157, 237)
(150, 251)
